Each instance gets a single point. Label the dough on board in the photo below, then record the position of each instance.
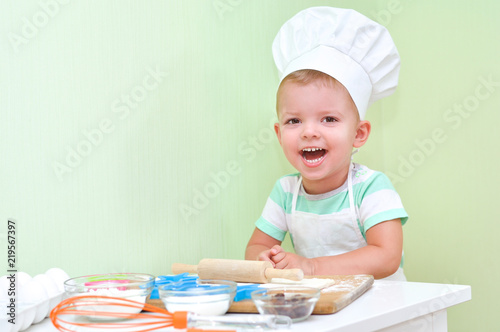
(313, 282)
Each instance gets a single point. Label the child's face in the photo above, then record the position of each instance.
(318, 127)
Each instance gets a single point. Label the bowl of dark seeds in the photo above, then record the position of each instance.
(296, 302)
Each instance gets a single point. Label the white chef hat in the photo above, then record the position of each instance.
(356, 51)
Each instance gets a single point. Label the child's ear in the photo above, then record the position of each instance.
(362, 133)
(278, 131)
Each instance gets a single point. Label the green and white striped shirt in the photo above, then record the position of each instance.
(375, 199)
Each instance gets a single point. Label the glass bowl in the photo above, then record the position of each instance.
(131, 286)
(203, 297)
(296, 302)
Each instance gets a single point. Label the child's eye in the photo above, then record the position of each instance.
(329, 119)
(292, 121)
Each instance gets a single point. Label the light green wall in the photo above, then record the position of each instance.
(200, 122)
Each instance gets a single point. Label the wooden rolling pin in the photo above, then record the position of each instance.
(237, 270)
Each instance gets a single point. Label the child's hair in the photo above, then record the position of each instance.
(308, 76)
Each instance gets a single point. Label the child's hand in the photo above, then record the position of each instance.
(267, 255)
(287, 260)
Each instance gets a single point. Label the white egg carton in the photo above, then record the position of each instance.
(35, 298)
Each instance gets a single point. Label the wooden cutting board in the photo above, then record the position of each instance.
(332, 299)
(345, 290)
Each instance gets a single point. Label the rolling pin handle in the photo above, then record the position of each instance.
(291, 274)
(182, 268)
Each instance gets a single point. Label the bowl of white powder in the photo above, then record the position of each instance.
(131, 286)
(203, 297)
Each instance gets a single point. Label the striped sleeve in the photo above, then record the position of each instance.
(380, 202)
(273, 218)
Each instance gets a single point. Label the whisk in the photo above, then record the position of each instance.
(84, 312)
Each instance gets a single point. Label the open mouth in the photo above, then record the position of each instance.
(313, 155)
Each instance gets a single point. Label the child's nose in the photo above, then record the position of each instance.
(310, 130)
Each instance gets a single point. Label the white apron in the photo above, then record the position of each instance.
(318, 235)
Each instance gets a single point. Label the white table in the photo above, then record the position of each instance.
(387, 306)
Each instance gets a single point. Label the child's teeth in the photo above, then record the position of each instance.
(313, 160)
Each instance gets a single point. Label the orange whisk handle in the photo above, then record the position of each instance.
(183, 319)
(180, 319)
